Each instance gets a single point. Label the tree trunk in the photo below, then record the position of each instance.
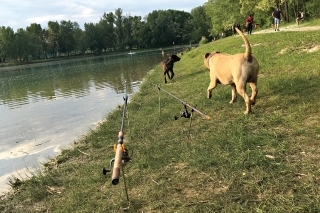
(286, 11)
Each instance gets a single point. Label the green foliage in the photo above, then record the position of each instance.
(224, 13)
(53, 37)
(313, 8)
(203, 40)
(94, 37)
(66, 37)
(200, 23)
(6, 42)
(168, 27)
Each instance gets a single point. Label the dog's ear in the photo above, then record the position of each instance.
(205, 61)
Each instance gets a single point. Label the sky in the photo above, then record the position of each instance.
(21, 13)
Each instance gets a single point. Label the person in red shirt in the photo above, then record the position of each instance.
(249, 23)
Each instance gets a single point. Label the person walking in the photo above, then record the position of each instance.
(249, 23)
(277, 15)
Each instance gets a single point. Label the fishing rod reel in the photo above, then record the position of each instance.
(184, 113)
(125, 158)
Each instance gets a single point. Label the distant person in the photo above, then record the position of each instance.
(234, 29)
(249, 23)
(300, 18)
(239, 26)
(234, 26)
(277, 15)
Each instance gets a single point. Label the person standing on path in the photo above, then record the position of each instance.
(249, 22)
(277, 15)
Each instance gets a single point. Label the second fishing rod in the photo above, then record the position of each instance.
(185, 113)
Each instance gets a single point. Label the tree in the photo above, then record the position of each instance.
(53, 37)
(6, 43)
(159, 22)
(136, 28)
(108, 25)
(313, 8)
(80, 41)
(127, 27)
(36, 30)
(66, 37)
(181, 28)
(141, 34)
(119, 22)
(168, 27)
(94, 37)
(200, 24)
(27, 46)
(223, 14)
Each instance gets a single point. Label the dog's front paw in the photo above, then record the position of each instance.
(233, 101)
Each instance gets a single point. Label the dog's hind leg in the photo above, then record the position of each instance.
(241, 89)
(233, 94)
(254, 93)
(212, 85)
(172, 74)
(164, 75)
(168, 74)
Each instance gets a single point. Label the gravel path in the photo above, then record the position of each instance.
(289, 28)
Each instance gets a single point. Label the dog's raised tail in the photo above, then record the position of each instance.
(248, 53)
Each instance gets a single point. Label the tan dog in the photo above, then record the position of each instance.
(235, 70)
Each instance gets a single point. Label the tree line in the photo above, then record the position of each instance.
(113, 32)
(160, 28)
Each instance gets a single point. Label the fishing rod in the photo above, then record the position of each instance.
(121, 153)
(185, 113)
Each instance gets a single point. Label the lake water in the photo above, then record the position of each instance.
(45, 108)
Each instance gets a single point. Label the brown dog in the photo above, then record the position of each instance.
(167, 66)
(235, 70)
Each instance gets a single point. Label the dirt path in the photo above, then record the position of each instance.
(289, 28)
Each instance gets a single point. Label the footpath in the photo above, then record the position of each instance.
(293, 27)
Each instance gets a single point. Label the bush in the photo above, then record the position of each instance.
(203, 40)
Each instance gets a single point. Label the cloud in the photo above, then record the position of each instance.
(21, 13)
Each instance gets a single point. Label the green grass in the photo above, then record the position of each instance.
(264, 162)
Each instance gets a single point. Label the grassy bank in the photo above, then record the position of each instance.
(264, 162)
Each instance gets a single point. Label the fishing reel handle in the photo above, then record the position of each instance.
(117, 162)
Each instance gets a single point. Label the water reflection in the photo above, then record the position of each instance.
(74, 79)
(45, 108)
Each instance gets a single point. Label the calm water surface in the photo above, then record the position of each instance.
(44, 109)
